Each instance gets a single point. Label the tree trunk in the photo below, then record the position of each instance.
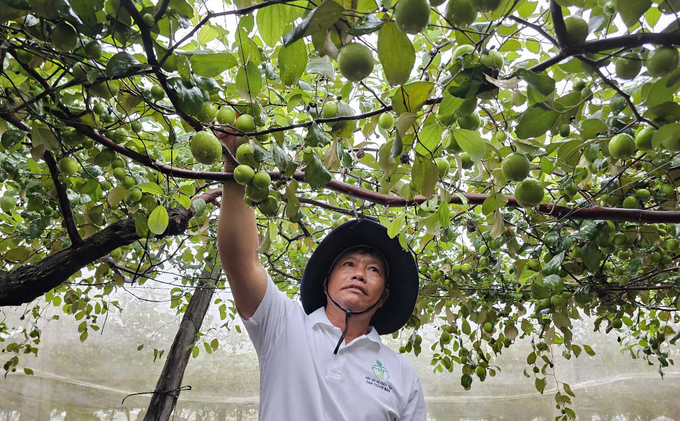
(167, 390)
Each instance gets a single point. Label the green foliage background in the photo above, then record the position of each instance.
(491, 271)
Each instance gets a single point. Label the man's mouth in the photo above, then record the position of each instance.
(356, 288)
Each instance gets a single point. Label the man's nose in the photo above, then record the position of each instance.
(359, 275)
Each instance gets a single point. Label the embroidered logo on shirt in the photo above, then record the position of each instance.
(379, 371)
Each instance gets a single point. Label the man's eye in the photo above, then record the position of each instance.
(375, 269)
(349, 263)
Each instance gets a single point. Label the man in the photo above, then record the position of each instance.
(324, 361)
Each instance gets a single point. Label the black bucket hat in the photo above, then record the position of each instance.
(402, 272)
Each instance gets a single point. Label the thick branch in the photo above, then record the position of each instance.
(64, 203)
(558, 24)
(147, 41)
(31, 281)
(162, 7)
(591, 213)
(629, 41)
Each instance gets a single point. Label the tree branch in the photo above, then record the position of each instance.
(162, 7)
(64, 203)
(151, 58)
(30, 281)
(536, 28)
(558, 24)
(612, 85)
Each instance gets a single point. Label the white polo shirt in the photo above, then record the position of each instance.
(302, 380)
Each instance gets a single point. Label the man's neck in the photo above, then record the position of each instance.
(358, 323)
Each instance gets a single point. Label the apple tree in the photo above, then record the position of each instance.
(526, 151)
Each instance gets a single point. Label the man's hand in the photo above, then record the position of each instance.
(232, 142)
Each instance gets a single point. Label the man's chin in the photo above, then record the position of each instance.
(352, 301)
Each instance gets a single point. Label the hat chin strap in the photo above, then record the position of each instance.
(349, 313)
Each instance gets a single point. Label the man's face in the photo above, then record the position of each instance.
(357, 281)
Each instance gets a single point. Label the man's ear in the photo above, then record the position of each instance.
(385, 295)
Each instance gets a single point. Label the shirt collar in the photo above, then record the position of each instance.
(319, 316)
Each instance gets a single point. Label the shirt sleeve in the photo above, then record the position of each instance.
(268, 321)
(415, 407)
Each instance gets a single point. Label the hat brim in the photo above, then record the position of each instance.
(403, 272)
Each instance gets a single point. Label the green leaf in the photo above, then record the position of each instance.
(428, 139)
(28, 371)
(184, 67)
(666, 133)
(588, 350)
(466, 327)
(561, 320)
(43, 135)
(182, 8)
(592, 256)
(190, 97)
(120, 64)
(316, 174)
(141, 225)
(212, 64)
(158, 220)
(321, 66)
(536, 121)
(12, 137)
(567, 389)
(397, 146)
(316, 136)
(539, 81)
(199, 207)
(663, 90)
(554, 283)
(405, 122)
(266, 242)
(553, 266)
(540, 384)
(116, 195)
(396, 226)
(471, 142)
(396, 54)
(85, 9)
(631, 11)
(284, 163)
(424, 176)
(293, 203)
(293, 62)
(318, 19)
(449, 104)
(207, 34)
(493, 202)
(17, 4)
(591, 127)
(271, 23)
(366, 25)
(538, 291)
(249, 81)
(409, 98)
(152, 188)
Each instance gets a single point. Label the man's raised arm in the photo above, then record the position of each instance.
(237, 240)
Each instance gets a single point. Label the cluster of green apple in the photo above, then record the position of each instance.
(258, 194)
(355, 60)
(412, 16)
